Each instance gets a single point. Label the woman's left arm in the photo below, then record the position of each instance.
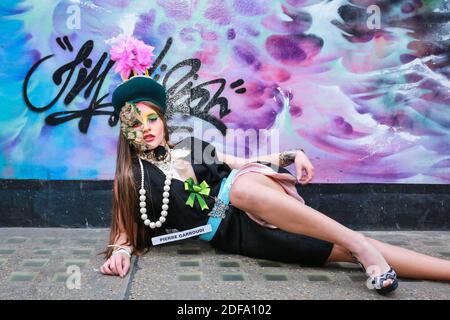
(281, 159)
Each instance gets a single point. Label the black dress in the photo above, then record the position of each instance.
(237, 233)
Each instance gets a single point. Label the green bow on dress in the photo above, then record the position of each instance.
(197, 191)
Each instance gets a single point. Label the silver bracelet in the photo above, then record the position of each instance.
(121, 249)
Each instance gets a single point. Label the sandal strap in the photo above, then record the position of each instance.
(357, 261)
(379, 281)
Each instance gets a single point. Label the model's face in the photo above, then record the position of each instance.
(142, 126)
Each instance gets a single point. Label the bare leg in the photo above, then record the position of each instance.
(272, 204)
(407, 263)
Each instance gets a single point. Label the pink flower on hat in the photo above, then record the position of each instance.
(131, 54)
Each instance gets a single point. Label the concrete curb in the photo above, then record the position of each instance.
(125, 288)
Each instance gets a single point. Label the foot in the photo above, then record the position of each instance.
(374, 264)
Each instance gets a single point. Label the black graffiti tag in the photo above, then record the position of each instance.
(89, 81)
(182, 95)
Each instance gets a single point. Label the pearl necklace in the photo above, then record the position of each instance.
(165, 201)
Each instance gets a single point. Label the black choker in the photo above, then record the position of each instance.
(160, 153)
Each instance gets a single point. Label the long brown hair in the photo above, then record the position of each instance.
(125, 197)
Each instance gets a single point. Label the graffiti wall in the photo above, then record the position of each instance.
(362, 86)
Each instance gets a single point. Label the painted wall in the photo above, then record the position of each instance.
(367, 81)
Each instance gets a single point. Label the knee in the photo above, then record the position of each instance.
(242, 193)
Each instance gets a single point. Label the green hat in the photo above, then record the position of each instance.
(139, 88)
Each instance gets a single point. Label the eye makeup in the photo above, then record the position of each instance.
(153, 117)
(150, 118)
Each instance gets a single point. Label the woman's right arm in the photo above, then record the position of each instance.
(118, 264)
